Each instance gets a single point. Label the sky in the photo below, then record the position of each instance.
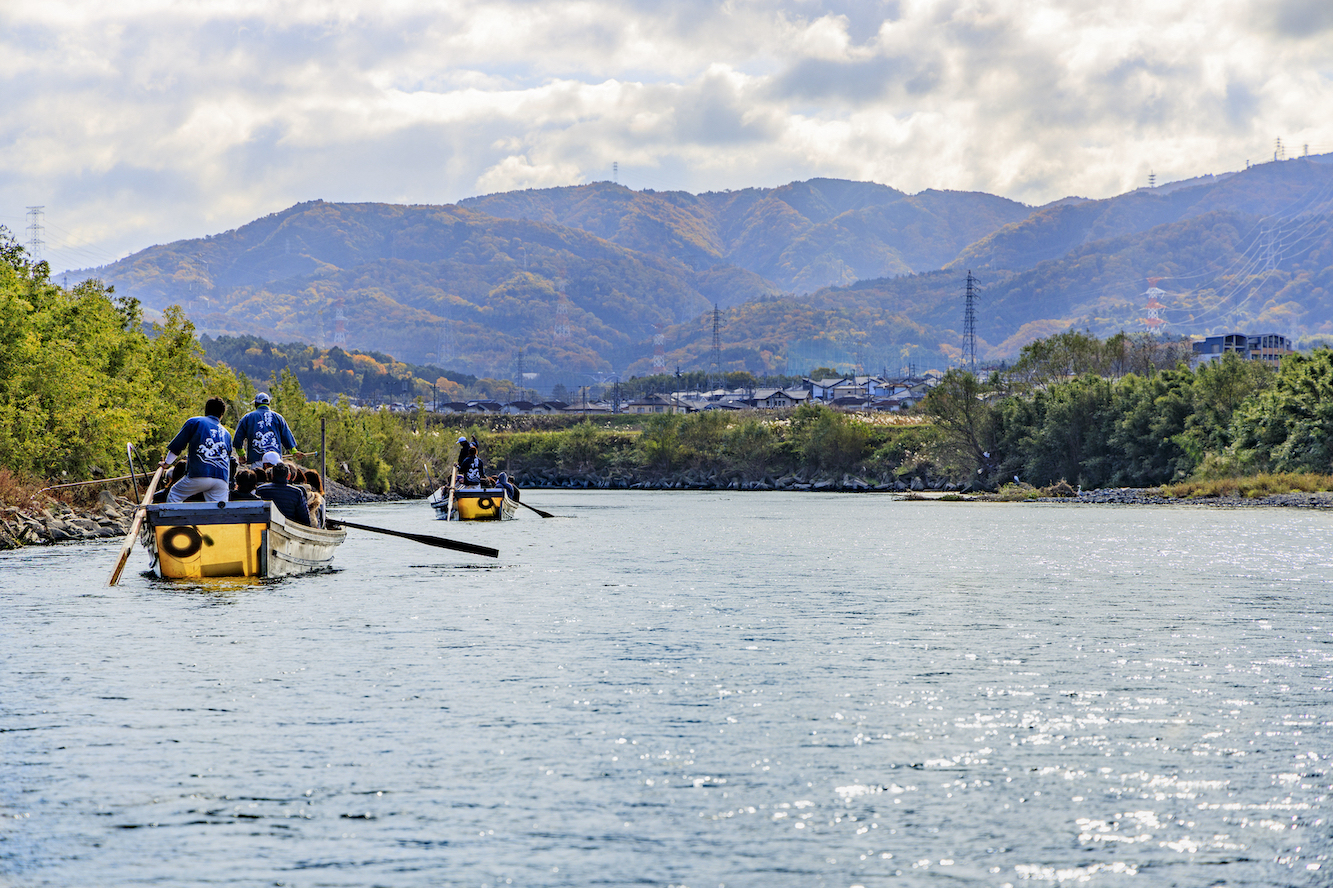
(146, 121)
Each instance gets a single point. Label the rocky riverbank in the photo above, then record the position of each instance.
(56, 522)
(109, 517)
(1152, 496)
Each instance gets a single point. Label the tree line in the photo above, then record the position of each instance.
(81, 374)
(1063, 413)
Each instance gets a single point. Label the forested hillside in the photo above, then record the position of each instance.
(801, 236)
(580, 280)
(1276, 192)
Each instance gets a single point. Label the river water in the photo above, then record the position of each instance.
(688, 689)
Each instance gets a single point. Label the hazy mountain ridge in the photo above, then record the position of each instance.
(1204, 264)
(801, 236)
(850, 254)
(1274, 189)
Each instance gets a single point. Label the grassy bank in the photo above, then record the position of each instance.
(717, 449)
(1252, 487)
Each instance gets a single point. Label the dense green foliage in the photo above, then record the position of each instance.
(1289, 426)
(812, 440)
(79, 377)
(1137, 430)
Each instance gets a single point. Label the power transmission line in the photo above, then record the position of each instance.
(970, 325)
(715, 367)
(35, 242)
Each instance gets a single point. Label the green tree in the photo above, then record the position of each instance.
(960, 406)
(1289, 426)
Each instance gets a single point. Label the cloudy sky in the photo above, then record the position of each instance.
(144, 121)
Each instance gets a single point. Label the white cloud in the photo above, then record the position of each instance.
(140, 122)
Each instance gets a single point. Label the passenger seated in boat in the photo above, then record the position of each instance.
(289, 499)
(314, 498)
(266, 464)
(510, 487)
(246, 481)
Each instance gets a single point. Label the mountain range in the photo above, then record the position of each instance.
(597, 278)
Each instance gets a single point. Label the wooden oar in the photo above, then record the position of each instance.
(438, 542)
(134, 527)
(534, 508)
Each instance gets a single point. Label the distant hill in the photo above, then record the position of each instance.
(580, 280)
(801, 236)
(395, 273)
(1279, 190)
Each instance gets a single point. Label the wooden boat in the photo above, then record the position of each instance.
(234, 539)
(473, 504)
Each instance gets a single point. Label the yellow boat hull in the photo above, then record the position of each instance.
(236, 539)
(474, 504)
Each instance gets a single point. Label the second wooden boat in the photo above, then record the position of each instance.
(473, 504)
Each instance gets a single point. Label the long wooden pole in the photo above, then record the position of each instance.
(86, 483)
(134, 527)
(453, 479)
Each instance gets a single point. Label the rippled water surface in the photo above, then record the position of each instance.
(688, 690)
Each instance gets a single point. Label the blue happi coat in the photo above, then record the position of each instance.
(261, 431)
(209, 446)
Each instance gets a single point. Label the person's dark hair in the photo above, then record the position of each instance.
(246, 481)
(278, 472)
(215, 407)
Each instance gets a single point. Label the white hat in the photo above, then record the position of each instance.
(271, 459)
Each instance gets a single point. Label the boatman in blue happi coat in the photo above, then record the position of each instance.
(208, 463)
(263, 430)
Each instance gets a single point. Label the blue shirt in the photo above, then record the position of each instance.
(470, 469)
(209, 446)
(262, 430)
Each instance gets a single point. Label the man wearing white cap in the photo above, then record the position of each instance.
(263, 430)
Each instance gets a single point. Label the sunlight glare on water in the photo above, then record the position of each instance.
(688, 689)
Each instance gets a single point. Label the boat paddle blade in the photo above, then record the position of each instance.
(535, 509)
(424, 539)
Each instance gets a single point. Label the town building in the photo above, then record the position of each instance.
(1268, 347)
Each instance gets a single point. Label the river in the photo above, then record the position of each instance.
(688, 689)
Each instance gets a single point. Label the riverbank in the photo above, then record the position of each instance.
(52, 521)
(1149, 496)
(110, 516)
(701, 480)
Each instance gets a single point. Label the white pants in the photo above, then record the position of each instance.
(215, 490)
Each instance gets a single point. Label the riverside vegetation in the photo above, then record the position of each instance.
(80, 375)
